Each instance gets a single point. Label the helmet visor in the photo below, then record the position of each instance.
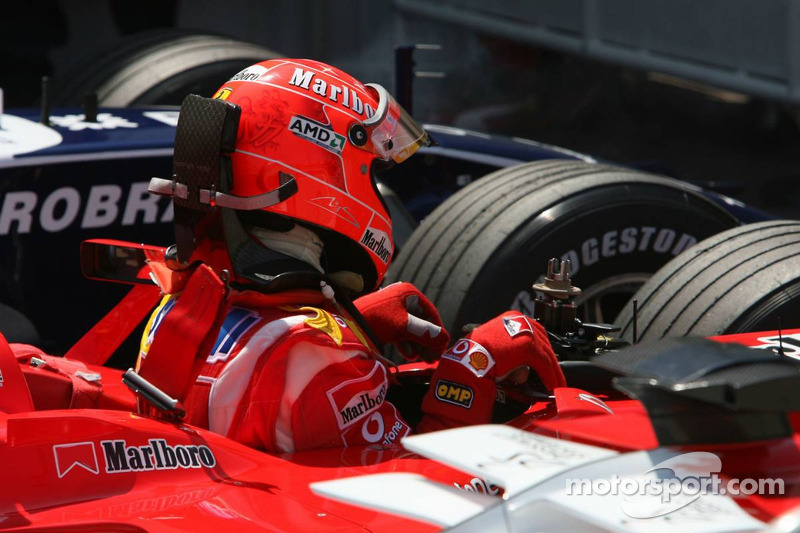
(391, 133)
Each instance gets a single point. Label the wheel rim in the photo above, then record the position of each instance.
(601, 303)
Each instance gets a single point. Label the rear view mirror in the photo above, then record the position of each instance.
(119, 261)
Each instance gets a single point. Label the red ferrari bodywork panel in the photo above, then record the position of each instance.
(113, 470)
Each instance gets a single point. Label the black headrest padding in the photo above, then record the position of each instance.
(206, 131)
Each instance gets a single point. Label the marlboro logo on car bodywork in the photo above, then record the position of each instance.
(77, 454)
(119, 457)
(157, 455)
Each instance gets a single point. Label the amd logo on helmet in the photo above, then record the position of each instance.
(335, 93)
(317, 133)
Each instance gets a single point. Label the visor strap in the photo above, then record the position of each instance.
(251, 203)
(164, 187)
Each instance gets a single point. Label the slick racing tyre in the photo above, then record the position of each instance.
(159, 67)
(744, 279)
(480, 251)
(16, 327)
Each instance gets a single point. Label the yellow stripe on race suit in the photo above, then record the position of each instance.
(323, 321)
(362, 338)
(147, 337)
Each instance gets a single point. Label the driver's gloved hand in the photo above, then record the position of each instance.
(463, 387)
(402, 315)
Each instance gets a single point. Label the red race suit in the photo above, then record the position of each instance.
(287, 377)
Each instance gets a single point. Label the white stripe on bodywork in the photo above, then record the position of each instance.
(505, 456)
(88, 157)
(536, 472)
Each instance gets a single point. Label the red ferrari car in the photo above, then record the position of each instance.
(683, 434)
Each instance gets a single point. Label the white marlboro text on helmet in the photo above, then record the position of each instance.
(335, 93)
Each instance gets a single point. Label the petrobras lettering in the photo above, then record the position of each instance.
(630, 240)
(317, 133)
(101, 206)
(251, 73)
(341, 94)
(378, 242)
(157, 455)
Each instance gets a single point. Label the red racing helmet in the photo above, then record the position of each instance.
(320, 126)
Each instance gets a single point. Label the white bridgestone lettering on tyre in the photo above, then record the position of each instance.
(664, 241)
(626, 241)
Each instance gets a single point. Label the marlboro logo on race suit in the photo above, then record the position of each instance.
(362, 413)
(355, 399)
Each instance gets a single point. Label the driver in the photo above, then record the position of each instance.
(271, 327)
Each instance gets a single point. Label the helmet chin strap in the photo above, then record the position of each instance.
(299, 242)
(303, 244)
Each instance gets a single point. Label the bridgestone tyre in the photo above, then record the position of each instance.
(744, 279)
(158, 67)
(479, 251)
